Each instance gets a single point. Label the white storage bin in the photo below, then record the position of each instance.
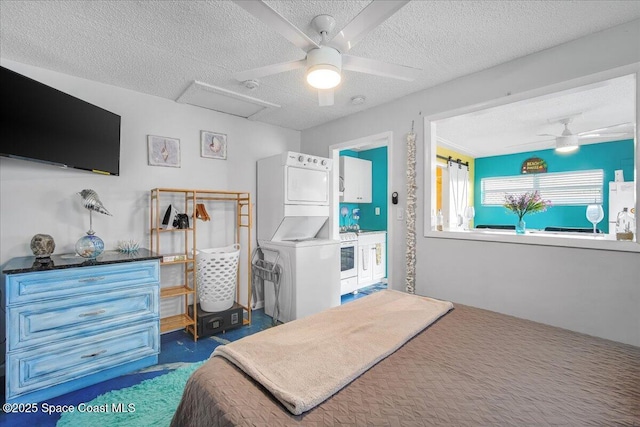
(216, 273)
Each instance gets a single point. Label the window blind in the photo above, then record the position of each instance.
(562, 188)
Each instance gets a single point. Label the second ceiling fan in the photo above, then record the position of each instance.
(325, 61)
(568, 141)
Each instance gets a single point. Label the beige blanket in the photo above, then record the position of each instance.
(304, 362)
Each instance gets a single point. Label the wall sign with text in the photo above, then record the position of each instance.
(534, 165)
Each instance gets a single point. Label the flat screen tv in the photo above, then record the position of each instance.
(40, 123)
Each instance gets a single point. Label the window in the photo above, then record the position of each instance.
(500, 135)
(562, 188)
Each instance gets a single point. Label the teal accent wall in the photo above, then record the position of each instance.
(348, 221)
(609, 156)
(349, 153)
(368, 219)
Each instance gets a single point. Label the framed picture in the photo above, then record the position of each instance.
(164, 151)
(213, 145)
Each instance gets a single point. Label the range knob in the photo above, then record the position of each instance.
(323, 163)
(315, 160)
(309, 159)
(301, 158)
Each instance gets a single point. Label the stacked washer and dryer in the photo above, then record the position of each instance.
(293, 202)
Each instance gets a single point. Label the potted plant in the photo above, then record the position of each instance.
(522, 204)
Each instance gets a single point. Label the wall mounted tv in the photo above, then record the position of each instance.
(43, 124)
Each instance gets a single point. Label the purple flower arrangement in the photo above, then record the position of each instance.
(522, 204)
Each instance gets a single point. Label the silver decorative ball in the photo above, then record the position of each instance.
(42, 245)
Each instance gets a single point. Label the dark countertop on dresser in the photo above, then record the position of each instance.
(29, 264)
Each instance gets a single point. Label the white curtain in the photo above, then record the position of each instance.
(459, 194)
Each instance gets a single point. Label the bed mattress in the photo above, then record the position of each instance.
(472, 367)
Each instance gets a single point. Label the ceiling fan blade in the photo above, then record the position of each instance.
(379, 68)
(268, 70)
(370, 17)
(278, 23)
(605, 135)
(600, 130)
(325, 97)
(532, 143)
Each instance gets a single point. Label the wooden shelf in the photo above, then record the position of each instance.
(192, 330)
(188, 202)
(175, 322)
(176, 291)
(182, 261)
(184, 245)
(161, 230)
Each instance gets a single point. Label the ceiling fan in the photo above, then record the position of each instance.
(568, 141)
(324, 61)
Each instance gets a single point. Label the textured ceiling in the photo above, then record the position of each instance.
(607, 107)
(161, 47)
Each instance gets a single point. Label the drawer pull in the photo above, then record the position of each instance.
(92, 313)
(91, 279)
(86, 356)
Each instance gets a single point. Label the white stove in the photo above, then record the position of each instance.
(348, 237)
(348, 262)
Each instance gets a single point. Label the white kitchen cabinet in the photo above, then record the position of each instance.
(356, 177)
(372, 258)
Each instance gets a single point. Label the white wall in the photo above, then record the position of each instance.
(592, 291)
(37, 198)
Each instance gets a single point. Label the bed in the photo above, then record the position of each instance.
(470, 367)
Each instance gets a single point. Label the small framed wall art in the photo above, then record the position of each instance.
(164, 151)
(213, 145)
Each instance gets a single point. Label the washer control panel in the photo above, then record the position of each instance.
(307, 161)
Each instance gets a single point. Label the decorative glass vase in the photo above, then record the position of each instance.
(521, 226)
(469, 214)
(89, 246)
(625, 225)
(594, 214)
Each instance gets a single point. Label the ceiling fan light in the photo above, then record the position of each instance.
(566, 144)
(567, 149)
(323, 68)
(323, 76)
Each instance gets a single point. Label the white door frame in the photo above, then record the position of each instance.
(377, 140)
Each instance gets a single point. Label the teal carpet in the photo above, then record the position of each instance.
(150, 403)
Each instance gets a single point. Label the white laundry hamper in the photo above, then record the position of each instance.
(217, 278)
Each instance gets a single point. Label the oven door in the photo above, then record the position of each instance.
(348, 260)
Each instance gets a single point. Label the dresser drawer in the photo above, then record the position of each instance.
(63, 361)
(28, 287)
(45, 322)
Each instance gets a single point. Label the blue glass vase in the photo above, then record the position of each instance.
(521, 226)
(89, 246)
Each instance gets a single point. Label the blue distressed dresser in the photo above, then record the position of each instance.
(77, 322)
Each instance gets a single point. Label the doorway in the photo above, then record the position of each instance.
(361, 144)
